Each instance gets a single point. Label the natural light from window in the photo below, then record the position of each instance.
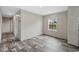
(52, 23)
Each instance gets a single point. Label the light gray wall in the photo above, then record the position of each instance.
(0, 27)
(7, 25)
(17, 26)
(73, 25)
(31, 25)
(61, 25)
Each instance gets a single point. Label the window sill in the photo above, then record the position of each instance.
(52, 30)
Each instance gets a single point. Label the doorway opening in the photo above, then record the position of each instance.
(11, 28)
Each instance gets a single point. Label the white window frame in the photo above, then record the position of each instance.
(55, 19)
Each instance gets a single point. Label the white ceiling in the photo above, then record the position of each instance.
(40, 10)
(8, 11)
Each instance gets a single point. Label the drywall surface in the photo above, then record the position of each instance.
(73, 25)
(7, 24)
(17, 26)
(31, 25)
(0, 27)
(61, 31)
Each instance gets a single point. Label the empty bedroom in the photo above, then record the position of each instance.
(39, 28)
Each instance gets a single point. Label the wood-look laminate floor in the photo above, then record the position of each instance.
(42, 43)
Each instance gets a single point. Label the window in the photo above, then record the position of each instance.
(52, 23)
